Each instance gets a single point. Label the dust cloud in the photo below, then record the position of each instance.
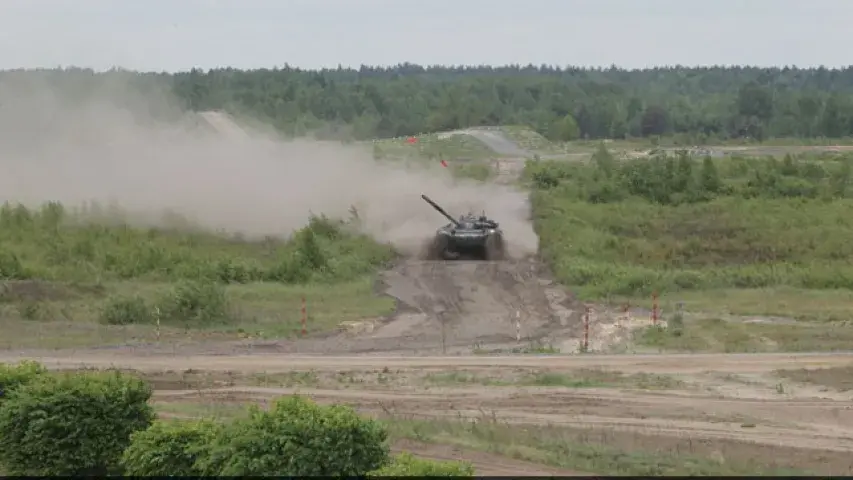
(111, 147)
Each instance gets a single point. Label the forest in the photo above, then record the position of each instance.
(695, 105)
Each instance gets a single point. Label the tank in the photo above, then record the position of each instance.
(470, 237)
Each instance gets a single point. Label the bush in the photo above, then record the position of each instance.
(407, 465)
(72, 424)
(168, 449)
(297, 437)
(13, 376)
(196, 303)
(126, 311)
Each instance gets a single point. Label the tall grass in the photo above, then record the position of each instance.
(670, 223)
(53, 243)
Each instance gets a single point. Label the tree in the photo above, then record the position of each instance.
(654, 121)
(709, 177)
(753, 100)
(393, 101)
(566, 129)
(72, 423)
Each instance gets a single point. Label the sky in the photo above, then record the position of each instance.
(176, 35)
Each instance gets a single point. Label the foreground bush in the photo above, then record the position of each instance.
(14, 376)
(407, 465)
(297, 437)
(72, 424)
(169, 449)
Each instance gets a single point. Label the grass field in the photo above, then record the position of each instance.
(670, 224)
(721, 239)
(73, 279)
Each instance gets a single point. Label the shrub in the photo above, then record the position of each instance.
(196, 303)
(72, 424)
(407, 465)
(168, 448)
(297, 437)
(11, 267)
(126, 311)
(13, 376)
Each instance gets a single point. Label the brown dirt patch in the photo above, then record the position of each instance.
(38, 290)
(838, 378)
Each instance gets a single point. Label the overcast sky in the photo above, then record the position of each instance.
(175, 35)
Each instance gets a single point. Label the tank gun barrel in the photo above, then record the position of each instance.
(440, 210)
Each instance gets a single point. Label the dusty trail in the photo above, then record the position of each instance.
(669, 364)
(822, 424)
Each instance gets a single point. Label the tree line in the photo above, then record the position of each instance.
(698, 104)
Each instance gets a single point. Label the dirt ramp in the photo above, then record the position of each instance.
(462, 303)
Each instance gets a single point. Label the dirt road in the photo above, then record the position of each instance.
(266, 362)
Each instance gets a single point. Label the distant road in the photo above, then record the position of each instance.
(498, 142)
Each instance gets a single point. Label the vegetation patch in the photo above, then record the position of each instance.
(605, 453)
(91, 265)
(722, 336)
(676, 224)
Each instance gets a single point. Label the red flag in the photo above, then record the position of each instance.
(444, 164)
(412, 140)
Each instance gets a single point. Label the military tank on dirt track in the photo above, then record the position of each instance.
(471, 237)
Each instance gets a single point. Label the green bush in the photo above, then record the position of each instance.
(297, 437)
(72, 424)
(198, 303)
(407, 465)
(126, 311)
(13, 376)
(168, 448)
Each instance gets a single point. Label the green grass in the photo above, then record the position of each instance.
(564, 448)
(80, 278)
(716, 335)
(616, 229)
(831, 305)
(256, 310)
(583, 378)
(54, 244)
